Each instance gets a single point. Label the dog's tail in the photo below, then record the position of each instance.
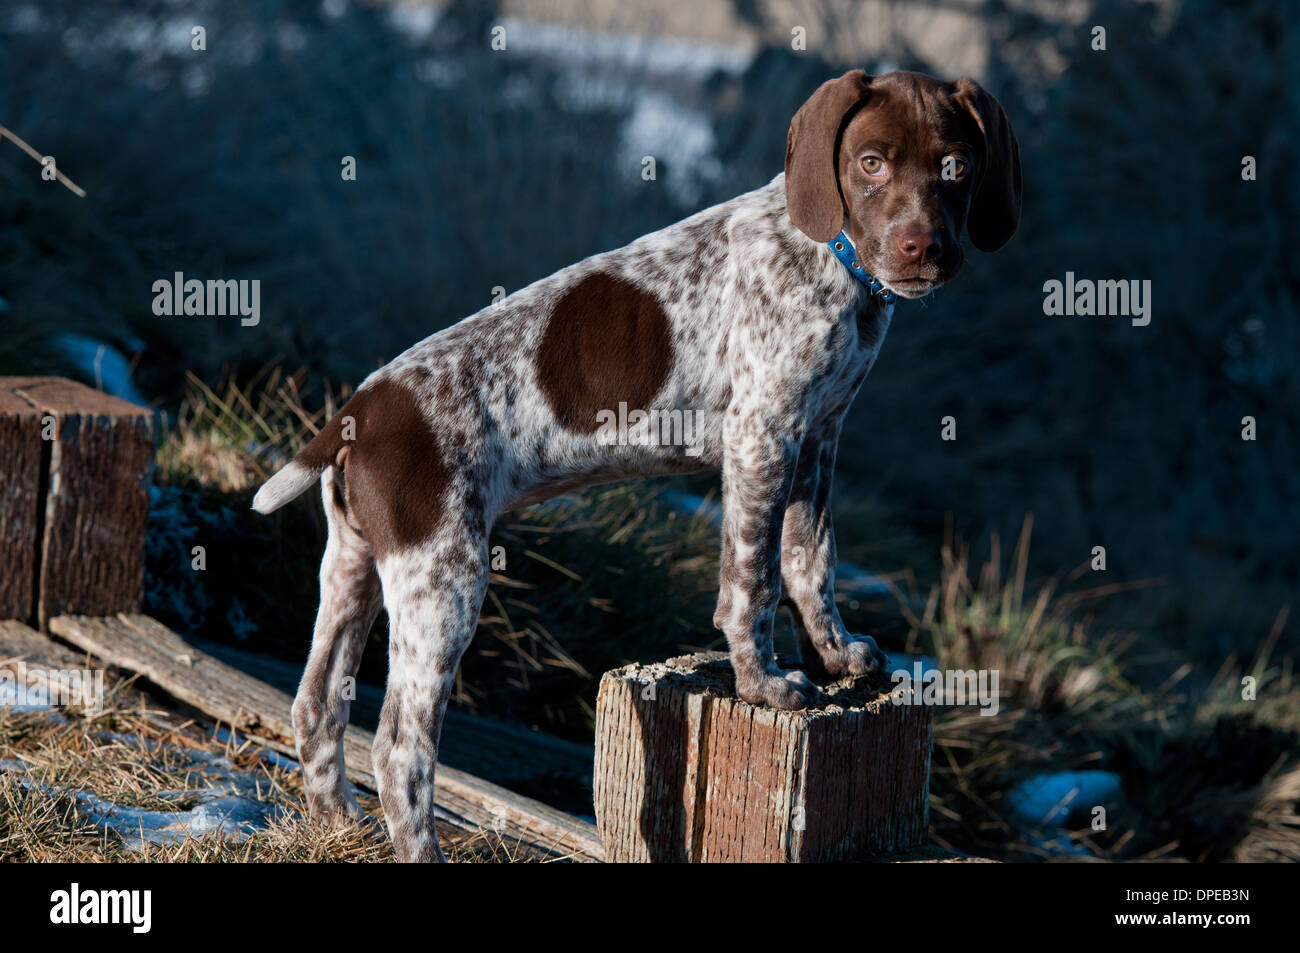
(303, 470)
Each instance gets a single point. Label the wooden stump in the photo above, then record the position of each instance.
(685, 771)
(75, 464)
(20, 477)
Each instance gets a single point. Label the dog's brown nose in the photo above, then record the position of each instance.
(920, 246)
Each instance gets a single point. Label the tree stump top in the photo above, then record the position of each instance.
(711, 674)
(58, 395)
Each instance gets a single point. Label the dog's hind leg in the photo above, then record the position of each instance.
(349, 601)
(433, 593)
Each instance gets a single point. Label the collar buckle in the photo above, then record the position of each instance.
(844, 251)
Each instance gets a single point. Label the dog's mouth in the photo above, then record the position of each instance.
(912, 286)
(918, 280)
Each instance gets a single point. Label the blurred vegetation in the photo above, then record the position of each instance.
(477, 170)
(1205, 774)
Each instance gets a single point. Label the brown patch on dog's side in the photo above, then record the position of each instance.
(606, 341)
(395, 475)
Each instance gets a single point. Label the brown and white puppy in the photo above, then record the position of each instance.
(739, 320)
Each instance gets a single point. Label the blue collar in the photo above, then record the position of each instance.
(843, 249)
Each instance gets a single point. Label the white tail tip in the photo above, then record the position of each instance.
(289, 483)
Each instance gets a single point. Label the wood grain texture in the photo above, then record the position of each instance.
(89, 534)
(138, 643)
(686, 772)
(20, 496)
(21, 643)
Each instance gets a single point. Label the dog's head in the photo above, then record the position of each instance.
(902, 162)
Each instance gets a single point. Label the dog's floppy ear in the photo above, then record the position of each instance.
(812, 189)
(995, 206)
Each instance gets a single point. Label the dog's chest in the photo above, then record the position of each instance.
(848, 350)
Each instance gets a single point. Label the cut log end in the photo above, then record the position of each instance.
(685, 771)
(76, 463)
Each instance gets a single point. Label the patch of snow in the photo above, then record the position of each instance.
(101, 363)
(678, 138)
(583, 47)
(237, 620)
(414, 21)
(236, 817)
(1049, 799)
(9, 702)
(176, 518)
(228, 804)
(1045, 802)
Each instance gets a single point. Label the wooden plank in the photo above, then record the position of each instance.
(20, 495)
(89, 538)
(685, 771)
(138, 643)
(56, 674)
(487, 747)
(21, 643)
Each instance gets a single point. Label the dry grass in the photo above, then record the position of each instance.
(1274, 834)
(233, 437)
(1038, 642)
(137, 756)
(1206, 774)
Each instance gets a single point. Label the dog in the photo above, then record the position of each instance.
(762, 316)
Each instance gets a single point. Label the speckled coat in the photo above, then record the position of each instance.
(734, 315)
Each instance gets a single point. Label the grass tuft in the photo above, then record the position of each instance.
(1205, 774)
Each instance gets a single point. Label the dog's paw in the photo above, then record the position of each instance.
(336, 808)
(859, 656)
(791, 691)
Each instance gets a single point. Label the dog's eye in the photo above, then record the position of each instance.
(954, 167)
(873, 165)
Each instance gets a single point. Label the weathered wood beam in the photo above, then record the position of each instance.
(21, 643)
(138, 643)
(487, 747)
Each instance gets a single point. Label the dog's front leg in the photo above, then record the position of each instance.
(808, 561)
(758, 465)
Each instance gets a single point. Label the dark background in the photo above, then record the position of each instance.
(479, 169)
